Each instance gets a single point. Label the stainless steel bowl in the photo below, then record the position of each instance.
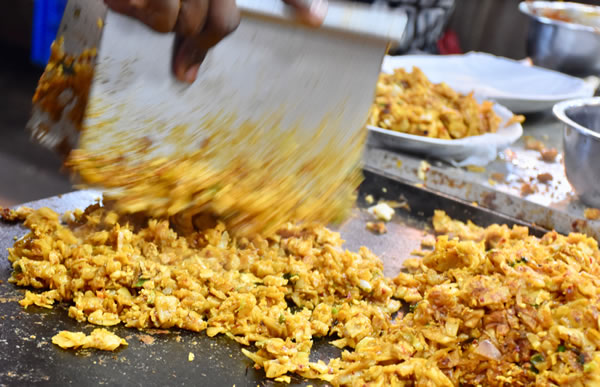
(581, 143)
(570, 47)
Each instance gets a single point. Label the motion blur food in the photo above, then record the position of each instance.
(488, 306)
(408, 102)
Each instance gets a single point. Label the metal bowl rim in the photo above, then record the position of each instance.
(560, 111)
(526, 7)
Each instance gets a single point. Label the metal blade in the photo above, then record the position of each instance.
(278, 103)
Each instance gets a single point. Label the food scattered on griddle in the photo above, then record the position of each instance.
(428, 242)
(147, 339)
(545, 177)
(100, 338)
(495, 307)
(369, 199)
(191, 356)
(17, 215)
(376, 227)
(408, 102)
(43, 300)
(424, 167)
(382, 211)
(591, 213)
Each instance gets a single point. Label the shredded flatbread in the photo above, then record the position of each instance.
(488, 306)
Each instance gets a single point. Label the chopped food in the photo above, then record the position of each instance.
(17, 215)
(424, 167)
(527, 189)
(376, 227)
(369, 199)
(498, 176)
(44, 300)
(100, 338)
(382, 211)
(515, 119)
(532, 144)
(191, 356)
(408, 102)
(549, 155)
(147, 339)
(592, 213)
(475, 168)
(428, 241)
(493, 306)
(545, 177)
(64, 87)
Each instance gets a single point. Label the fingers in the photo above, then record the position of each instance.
(222, 18)
(160, 15)
(310, 12)
(192, 17)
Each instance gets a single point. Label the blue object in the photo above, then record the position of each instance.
(47, 15)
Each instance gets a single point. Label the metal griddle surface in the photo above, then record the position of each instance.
(27, 356)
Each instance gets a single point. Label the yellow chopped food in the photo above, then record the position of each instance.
(44, 299)
(495, 307)
(475, 168)
(376, 227)
(99, 338)
(65, 84)
(191, 356)
(382, 211)
(592, 213)
(424, 167)
(408, 102)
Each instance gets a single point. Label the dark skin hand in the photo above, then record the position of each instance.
(201, 24)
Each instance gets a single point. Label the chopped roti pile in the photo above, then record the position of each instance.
(410, 103)
(490, 306)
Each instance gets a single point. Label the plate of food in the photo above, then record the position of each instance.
(519, 87)
(413, 114)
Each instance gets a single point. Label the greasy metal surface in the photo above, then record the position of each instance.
(28, 357)
(553, 205)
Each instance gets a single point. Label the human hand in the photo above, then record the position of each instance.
(201, 24)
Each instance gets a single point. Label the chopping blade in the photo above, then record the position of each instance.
(272, 129)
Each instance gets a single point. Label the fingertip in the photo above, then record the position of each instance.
(310, 12)
(191, 73)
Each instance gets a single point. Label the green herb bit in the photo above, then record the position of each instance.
(140, 282)
(561, 348)
(537, 358)
(413, 307)
(289, 276)
(281, 318)
(334, 310)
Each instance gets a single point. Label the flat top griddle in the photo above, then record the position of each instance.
(27, 356)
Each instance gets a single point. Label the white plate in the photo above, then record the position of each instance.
(475, 150)
(519, 87)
